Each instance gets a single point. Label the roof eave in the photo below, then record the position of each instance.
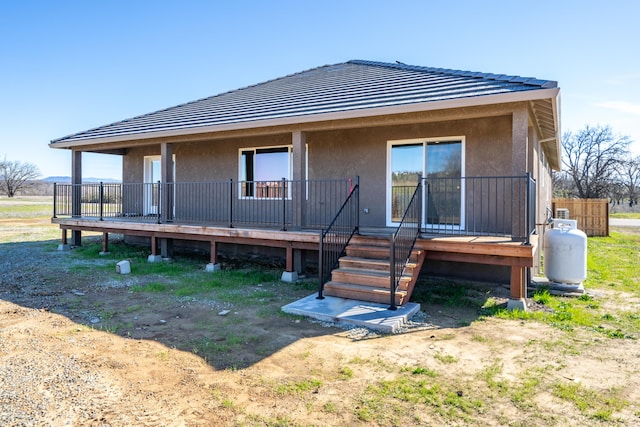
(529, 95)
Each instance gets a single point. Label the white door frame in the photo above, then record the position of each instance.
(150, 183)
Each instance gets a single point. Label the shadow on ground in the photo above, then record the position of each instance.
(183, 307)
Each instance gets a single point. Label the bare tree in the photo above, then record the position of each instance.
(630, 179)
(15, 175)
(593, 157)
(562, 184)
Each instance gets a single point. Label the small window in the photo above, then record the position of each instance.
(262, 170)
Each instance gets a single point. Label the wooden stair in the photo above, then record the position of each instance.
(363, 273)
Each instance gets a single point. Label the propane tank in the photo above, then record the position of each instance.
(565, 253)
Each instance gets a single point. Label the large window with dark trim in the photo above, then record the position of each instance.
(262, 171)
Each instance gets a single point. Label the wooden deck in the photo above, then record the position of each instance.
(289, 240)
(469, 249)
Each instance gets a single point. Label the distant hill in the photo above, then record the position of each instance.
(67, 179)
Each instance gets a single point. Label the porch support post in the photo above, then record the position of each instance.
(518, 289)
(76, 204)
(105, 244)
(295, 261)
(299, 194)
(154, 257)
(166, 152)
(519, 142)
(167, 178)
(519, 163)
(213, 259)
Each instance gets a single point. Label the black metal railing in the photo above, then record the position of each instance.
(281, 204)
(335, 238)
(474, 206)
(403, 240)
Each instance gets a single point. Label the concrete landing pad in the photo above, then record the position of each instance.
(370, 315)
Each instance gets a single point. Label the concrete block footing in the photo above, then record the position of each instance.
(123, 267)
(289, 276)
(62, 247)
(517, 304)
(211, 267)
(154, 258)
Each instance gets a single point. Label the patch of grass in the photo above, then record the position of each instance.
(346, 372)
(298, 387)
(625, 215)
(26, 207)
(422, 371)
(393, 401)
(150, 287)
(542, 296)
(599, 405)
(446, 358)
(226, 403)
(521, 393)
(133, 308)
(226, 343)
(444, 292)
(612, 262)
(330, 408)
(490, 376)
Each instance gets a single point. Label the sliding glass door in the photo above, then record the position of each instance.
(441, 162)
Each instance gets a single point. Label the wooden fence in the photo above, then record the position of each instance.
(592, 214)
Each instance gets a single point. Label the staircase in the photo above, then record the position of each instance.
(363, 273)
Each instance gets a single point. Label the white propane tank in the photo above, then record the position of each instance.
(565, 252)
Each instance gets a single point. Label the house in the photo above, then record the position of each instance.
(334, 164)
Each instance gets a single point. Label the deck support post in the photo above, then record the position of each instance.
(213, 259)
(154, 257)
(298, 260)
(64, 246)
(518, 289)
(166, 248)
(105, 244)
(289, 275)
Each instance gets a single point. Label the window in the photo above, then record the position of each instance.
(262, 170)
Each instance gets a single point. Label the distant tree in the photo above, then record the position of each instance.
(563, 186)
(593, 157)
(629, 175)
(15, 175)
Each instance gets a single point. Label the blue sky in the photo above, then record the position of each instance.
(67, 66)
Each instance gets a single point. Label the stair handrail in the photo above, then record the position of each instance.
(335, 238)
(403, 240)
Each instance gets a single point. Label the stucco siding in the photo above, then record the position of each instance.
(342, 154)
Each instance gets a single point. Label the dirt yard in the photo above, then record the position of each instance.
(80, 348)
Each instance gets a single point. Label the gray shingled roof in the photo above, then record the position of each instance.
(344, 87)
